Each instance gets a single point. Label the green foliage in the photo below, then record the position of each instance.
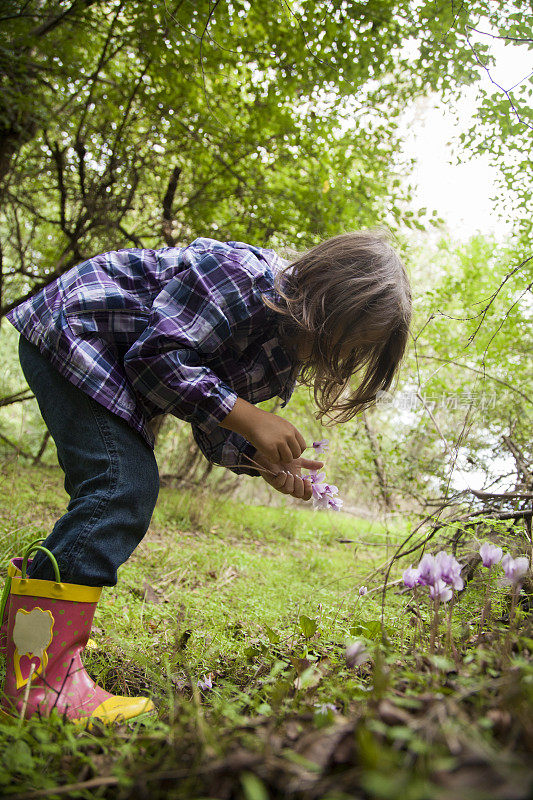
(466, 382)
(141, 124)
(284, 705)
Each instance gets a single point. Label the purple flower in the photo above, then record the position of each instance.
(325, 707)
(323, 493)
(442, 567)
(335, 503)
(362, 591)
(322, 446)
(318, 484)
(515, 568)
(449, 569)
(356, 654)
(440, 591)
(490, 554)
(428, 570)
(411, 577)
(207, 682)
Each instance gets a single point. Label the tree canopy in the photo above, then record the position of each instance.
(143, 124)
(134, 124)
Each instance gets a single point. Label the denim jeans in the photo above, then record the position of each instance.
(111, 476)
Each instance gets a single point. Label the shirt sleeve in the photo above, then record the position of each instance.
(227, 449)
(191, 320)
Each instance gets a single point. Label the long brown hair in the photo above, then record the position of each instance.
(349, 291)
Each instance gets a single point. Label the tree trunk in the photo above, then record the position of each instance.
(378, 465)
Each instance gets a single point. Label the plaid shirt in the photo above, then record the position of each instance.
(178, 331)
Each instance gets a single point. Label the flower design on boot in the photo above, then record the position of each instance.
(32, 635)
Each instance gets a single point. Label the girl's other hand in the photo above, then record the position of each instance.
(288, 479)
(275, 438)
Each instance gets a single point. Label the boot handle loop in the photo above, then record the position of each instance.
(37, 541)
(31, 549)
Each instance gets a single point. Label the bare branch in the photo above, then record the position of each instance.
(53, 22)
(18, 397)
(168, 199)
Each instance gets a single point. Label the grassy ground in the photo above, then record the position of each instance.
(263, 601)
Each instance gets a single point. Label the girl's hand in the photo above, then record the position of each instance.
(288, 480)
(275, 438)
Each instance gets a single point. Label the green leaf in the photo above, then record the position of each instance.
(308, 626)
(370, 629)
(253, 787)
(18, 758)
(272, 635)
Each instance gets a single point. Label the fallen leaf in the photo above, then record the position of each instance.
(150, 594)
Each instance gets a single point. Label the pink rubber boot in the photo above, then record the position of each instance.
(13, 568)
(48, 627)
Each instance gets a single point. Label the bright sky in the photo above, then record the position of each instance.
(460, 193)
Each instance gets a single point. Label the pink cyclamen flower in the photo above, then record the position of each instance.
(323, 493)
(333, 502)
(356, 654)
(411, 577)
(428, 570)
(323, 708)
(362, 591)
(515, 568)
(207, 682)
(321, 447)
(440, 591)
(449, 569)
(328, 499)
(490, 554)
(318, 483)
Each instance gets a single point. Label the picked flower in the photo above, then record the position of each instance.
(356, 654)
(206, 683)
(323, 494)
(490, 554)
(333, 502)
(515, 568)
(411, 577)
(362, 591)
(318, 483)
(321, 447)
(440, 591)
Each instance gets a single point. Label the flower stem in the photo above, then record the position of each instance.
(259, 467)
(450, 644)
(434, 625)
(419, 620)
(514, 598)
(486, 608)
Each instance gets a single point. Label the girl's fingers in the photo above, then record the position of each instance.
(295, 447)
(288, 487)
(301, 441)
(308, 463)
(289, 483)
(279, 481)
(299, 488)
(285, 453)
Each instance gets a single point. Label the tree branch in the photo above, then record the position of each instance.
(168, 199)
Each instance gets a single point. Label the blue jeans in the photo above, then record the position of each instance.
(111, 476)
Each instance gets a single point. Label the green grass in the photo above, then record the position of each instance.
(265, 599)
(221, 564)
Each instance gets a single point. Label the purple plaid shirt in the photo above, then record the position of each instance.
(179, 331)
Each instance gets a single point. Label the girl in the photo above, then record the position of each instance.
(202, 332)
